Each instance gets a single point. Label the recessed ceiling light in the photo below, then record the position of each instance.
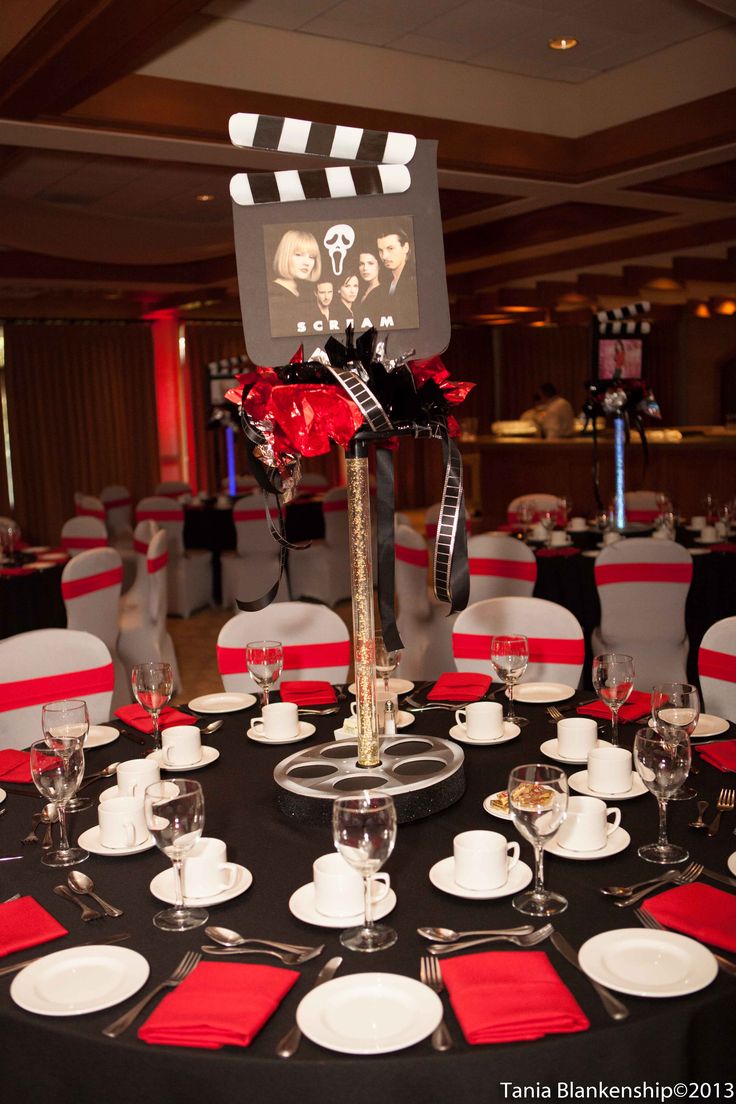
(562, 43)
(205, 198)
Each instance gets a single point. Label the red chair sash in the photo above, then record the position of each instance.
(157, 563)
(643, 515)
(505, 569)
(87, 511)
(76, 588)
(85, 542)
(643, 573)
(335, 507)
(171, 494)
(70, 684)
(417, 557)
(717, 665)
(541, 649)
(141, 547)
(112, 503)
(231, 661)
(159, 515)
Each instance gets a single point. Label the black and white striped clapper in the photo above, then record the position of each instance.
(618, 320)
(384, 155)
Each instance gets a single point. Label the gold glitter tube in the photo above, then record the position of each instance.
(359, 528)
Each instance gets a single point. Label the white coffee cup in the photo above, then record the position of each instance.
(206, 871)
(588, 824)
(338, 888)
(483, 859)
(698, 521)
(280, 721)
(122, 822)
(539, 533)
(611, 537)
(708, 533)
(481, 720)
(609, 770)
(135, 774)
(558, 537)
(577, 524)
(576, 736)
(181, 745)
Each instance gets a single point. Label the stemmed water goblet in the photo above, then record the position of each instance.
(387, 660)
(662, 759)
(66, 724)
(538, 796)
(677, 704)
(57, 773)
(175, 818)
(510, 658)
(153, 685)
(364, 832)
(613, 681)
(265, 660)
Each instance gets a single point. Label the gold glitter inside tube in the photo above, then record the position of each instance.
(359, 528)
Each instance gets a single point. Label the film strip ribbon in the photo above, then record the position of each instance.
(361, 394)
(626, 329)
(620, 314)
(451, 575)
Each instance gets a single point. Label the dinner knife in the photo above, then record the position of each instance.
(613, 1006)
(290, 1042)
(724, 878)
(94, 942)
(133, 737)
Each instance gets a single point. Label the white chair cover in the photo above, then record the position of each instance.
(244, 484)
(81, 533)
(642, 505)
(717, 668)
(50, 665)
(643, 586)
(499, 566)
(173, 488)
(118, 514)
(316, 644)
(253, 568)
(143, 632)
(540, 501)
(189, 582)
(323, 571)
(90, 587)
(423, 622)
(313, 481)
(88, 506)
(556, 644)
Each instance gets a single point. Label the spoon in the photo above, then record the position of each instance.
(83, 885)
(626, 891)
(212, 727)
(229, 938)
(447, 935)
(108, 770)
(699, 823)
(287, 957)
(49, 816)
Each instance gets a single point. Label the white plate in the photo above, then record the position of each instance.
(209, 755)
(647, 963)
(442, 875)
(36, 548)
(54, 557)
(99, 735)
(395, 685)
(510, 732)
(731, 862)
(39, 565)
(91, 841)
(579, 783)
(550, 749)
(79, 980)
(222, 703)
(590, 554)
(495, 812)
(369, 1013)
(699, 551)
(702, 540)
(403, 720)
(3, 795)
(301, 905)
(709, 725)
(533, 693)
(162, 886)
(305, 729)
(618, 840)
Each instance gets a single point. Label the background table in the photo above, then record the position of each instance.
(31, 601)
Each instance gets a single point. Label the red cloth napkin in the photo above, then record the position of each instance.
(459, 686)
(706, 913)
(507, 996)
(308, 693)
(219, 1004)
(15, 766)
(722, 755)
(563, 551)
(137, 717)
(638, 705)
(24, 923)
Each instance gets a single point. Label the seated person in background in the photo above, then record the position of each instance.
(555, 417)
(531, 414)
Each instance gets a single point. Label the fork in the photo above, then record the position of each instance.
(725, 804)
(530, 940)
(648, 921)
(35, 821)
(185, 967)
(431, 975)
(319, 712)
(690, 874)
(554, 713)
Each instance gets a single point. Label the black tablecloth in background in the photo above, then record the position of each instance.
(31, 601)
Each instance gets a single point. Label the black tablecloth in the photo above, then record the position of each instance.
(31, 602)
(685, 1038)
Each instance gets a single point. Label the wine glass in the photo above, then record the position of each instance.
(662, 758)
(725, 520)
(57, 773)
(175, 819)
(387, 660)
(510, 658)
(66, 723)
(548, 520)
(613, 681)
(538, 805)
(364, 831)
(265, 659)
(153, 685)
(564, 506)
(678, 704)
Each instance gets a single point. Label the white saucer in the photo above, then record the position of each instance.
(301, 905)
(3, 795)
(618, 840)
(79, 980)
(222, 703)
(209, 755)
(39, 565)
(54, 557)
(91, 841)
(549, 748)
(305, 729)
(579, 783)
(510, 732)
(731, 862)
(489, 808)
(442, 875)
(162, 886)
(699, 551)
(648, 963)
(709, 725)
(395, 685)
(702, 540)
(541, 693)
(99, 735)
(37, 548)
(590, 554)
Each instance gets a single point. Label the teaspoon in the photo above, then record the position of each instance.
(229, 938)
(105, 773)
(447, 935)
(83, 885)
(699, 823)
(212, 727)
(49, 816)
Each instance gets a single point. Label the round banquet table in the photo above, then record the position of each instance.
(31, 600)
(69, 1060)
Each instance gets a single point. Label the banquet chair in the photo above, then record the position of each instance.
(642, 505)
(540, 502)
(118, 514)
(173, 488)
(86, 505)
(143, 633)
(79, 534)
(432, 516)
(90, 588)
(189, 582)
(253, 568)
(316, 643)
(136, 592)
(500, 565)
(322, 571)
(717, 668)
(556, 644)
(642, 586)
(423, 622)
(50, 665)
